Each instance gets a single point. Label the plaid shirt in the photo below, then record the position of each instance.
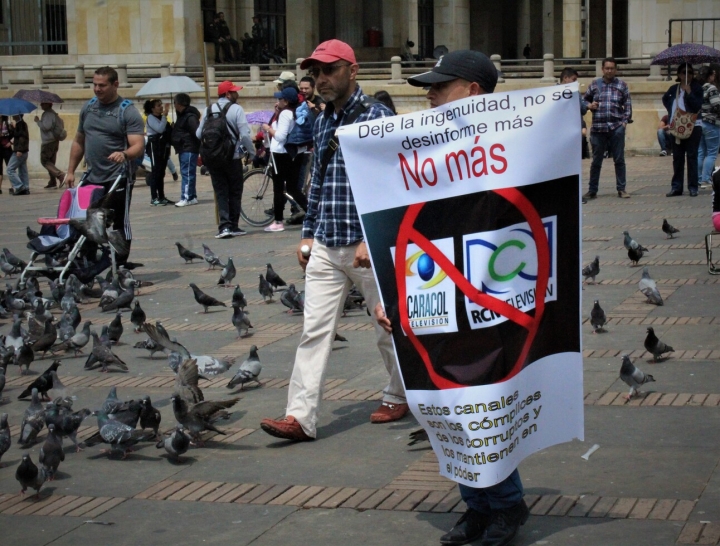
(615, 106)
(331, 216)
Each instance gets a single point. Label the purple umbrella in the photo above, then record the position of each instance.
(259, 117)
(687, 53)
(37, 95)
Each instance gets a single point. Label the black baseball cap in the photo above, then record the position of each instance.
(467, 64)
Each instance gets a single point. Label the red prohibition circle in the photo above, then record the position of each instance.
(407, 233)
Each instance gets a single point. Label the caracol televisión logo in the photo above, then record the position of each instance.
(430, 293)
(504, 264)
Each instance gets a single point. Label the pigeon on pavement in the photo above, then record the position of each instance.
(631, 243)
(187, 255)
(124, 299)
(2, 381)
(649, 288)
(186, 382)
(42, 383)
(654, 346)
(51, 453)
(33, 421)
(137, 317)
(591, 270)
(288, 299)
(241, 322)
(238, 298)
(339, 338)
(635, 255)
(200, 417)
(176, 444)
(23, 357)
(30, 476)
(265, 289)
(273, 278)
(211, 258)
(119, 436)
(668, 229)
(115, 329)
(633, 377)
(417, 436)
(149, 416)
(44, 343)
(227, 274)
(70, 424)
(78, 341)
(205, 300)
(14, 260)
(104, 356)
(5, 438)
(249, 370)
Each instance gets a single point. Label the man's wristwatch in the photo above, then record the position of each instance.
(124, 155)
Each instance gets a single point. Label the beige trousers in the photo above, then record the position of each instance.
(329, 276)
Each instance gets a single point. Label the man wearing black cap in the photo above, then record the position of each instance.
(494, 513)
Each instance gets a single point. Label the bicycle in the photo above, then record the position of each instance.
(256, 207)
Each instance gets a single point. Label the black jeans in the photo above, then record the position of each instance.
(288, 171)
(227, 181)
(690, 147)
(156, 176)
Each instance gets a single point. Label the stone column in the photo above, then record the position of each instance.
(348, 22)
(299, 72)
(211, 75)
(122, 75)
(655, 73)
(300, 25)
(548, 26)
(80, 77)
(608, 28)
(497, 61)
(396, 70)
(254, 76)
(598, 68)
(572, 28)
(548, 69)
(164, 70)
(412, 33)
(2, 84)
(452, 23)
(523, 29)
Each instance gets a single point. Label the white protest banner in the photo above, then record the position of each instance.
(471, 213)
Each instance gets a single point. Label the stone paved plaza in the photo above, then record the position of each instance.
(653, 481)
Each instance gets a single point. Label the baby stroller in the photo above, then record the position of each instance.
(58, 238)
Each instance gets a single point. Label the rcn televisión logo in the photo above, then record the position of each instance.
(430, 292)
(504, 264)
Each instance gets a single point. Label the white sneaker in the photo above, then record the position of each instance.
(275, 226)
(182, 203)
(193, 201)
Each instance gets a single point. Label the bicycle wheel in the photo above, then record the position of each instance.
(256, 198)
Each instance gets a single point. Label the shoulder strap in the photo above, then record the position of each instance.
(223, 114)
(121, 115)
(364, 103)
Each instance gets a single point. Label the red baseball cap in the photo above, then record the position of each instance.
(329, 52)
(227, 86)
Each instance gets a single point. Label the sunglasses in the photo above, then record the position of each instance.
(326, 69)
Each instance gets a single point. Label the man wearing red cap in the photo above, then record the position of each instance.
(332, 250)
(227, 176)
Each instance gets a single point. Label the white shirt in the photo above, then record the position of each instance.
(282, 127)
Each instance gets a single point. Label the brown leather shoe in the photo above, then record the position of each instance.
(623, 195)
(287, 429)
(388, 412)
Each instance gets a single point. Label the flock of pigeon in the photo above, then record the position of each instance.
(632, 376)
(49, 323)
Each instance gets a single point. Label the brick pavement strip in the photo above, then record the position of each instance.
(583, 506)
(662, 509)
(77, 503)
(622, 508)
(321, 497)
(690, 533)
(340, 497)
(710, 534)
(306, 495)
(357, 498)
(204, 490)
(563, 505)
(185, 491)
(544, 504)
(642, 508)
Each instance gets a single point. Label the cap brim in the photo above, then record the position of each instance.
(278, 81)
(319, 58)
(429, 78)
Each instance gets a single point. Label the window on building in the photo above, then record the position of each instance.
(208, 9)
(33, 27)
(426, 28)
(272, 19)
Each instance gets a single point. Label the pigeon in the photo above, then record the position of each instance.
(200, 417)
(23, 357)
(78, 341)
(176, 444)
(150, 345)
(2, 381)
(238, 298)
(14, 260)
(51, 453)
(15, 338)
(352, 303)
(340, 338)
(273, 278)
(5, 438)
(227, 274)
(668, 229)
(633, 377)
(137, 317)
(288, 299)
(649, 288)
(75, 317)
(249, 370)
(631, 243)
(33, 421)
(70, 423)
(41, 313)
(65, 329)
(655, 346)
(119, 436)
(115, 329)
(112, 404)
(124, 299)
(44, 343)
(635, 254)
(211, 258)
(417, 436)
(241, 322)
(58, 389)
(186, 254)
(149, 416)
(208, 365)
(12, 303)
(31, 233)
(102, 354)
(111, 293)
(43, 383)
(30, 476)
(299, 300)
(591, 270)
(7, 268)
(186, 382)
(203, 299)
(265, 289)
(126, 413)
(597, 318)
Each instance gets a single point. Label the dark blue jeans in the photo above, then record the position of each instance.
(505, 494)
(188, 172)
(614, 142)
(688, 147)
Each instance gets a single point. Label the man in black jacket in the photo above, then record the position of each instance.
(17, 167)
(187, 147)
(225, 35)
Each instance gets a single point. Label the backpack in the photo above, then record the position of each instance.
(216, 145)
(58, 129)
